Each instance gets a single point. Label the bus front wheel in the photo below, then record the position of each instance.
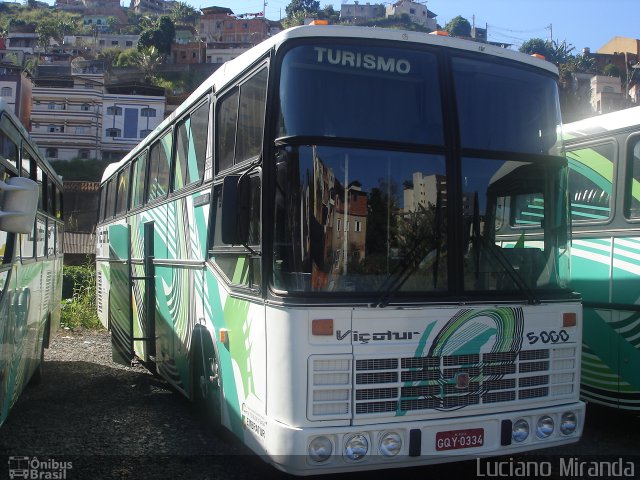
(206, 387)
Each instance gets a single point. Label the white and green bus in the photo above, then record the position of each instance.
(31, 234)
(604, 186)
(306, 247)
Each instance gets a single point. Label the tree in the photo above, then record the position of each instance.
(458, 27)
(298, 10)
(309, 7)
(160, 36)
(183, 13)
(536, 46)
(328, 13)
(611, 70)
(149, 60)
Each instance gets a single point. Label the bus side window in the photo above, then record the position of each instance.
(591, 172)
(6, 239)
(25, 170)
(8, 148)
(122, 195)
(43, 186)
(51, 198)
(58, 204)
(191, 145)
(226, 120)
(51, 237)
(138, 177)
(253, 99)
(159, 167)
(103, 202)
(41, 237)
(110, 205)
(240, 122)
(632, 188)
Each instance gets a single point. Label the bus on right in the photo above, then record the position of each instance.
(604, 186)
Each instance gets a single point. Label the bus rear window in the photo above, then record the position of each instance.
(359, 92)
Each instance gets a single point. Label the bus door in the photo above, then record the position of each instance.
(120, 300)
(143, 291)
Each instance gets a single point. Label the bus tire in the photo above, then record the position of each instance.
(206, 381)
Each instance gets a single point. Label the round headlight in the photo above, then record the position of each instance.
(568, 423)
(356, 447)
(320, 449)
(544, 428)
(520, 430)
(390, 444)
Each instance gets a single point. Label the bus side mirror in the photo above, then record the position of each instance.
(236, 198)
(18, 204)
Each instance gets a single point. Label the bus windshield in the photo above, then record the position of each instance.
(363, 177)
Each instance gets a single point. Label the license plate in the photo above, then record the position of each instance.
(457, 439)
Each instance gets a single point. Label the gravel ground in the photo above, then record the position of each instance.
(111, 421)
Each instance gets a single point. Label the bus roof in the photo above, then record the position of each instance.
(602, 123)
(231, 69)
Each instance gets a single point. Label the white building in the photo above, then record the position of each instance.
(606, 94)
(418, 13)
(127, 119)
(75, 116)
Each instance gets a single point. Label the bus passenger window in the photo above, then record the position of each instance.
(51, 237)
(590, 182)
(226, 126)
(253, 98)
(111, 199)
(159, 167)
(41, 238)
(241, 122)
(122, 196)
(8, 149)
(139, 175)
(632, 193)
(191, 146)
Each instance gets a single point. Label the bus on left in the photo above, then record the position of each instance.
(31, 256)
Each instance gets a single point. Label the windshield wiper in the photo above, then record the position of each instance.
(499, 255)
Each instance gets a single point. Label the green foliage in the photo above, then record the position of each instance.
(79, 311)
(89, 170)
(160, 36)
(307, 7)
(149, 60)
(611, 70)
(458, 27)
(183, 13)
(127, 58)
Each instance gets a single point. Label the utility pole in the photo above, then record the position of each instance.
(550, 27)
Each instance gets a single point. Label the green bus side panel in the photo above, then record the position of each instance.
(605, 271)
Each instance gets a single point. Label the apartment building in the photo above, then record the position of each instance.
(357, 12)
(75, 116)
(227, 35)
(102, 41)
(66, 112)
(418, 13)
(15, 90)
(606, 94)
(130, 112)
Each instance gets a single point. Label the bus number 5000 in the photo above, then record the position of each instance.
(548, 337)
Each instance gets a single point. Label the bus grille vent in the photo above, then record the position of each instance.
(392, 385)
